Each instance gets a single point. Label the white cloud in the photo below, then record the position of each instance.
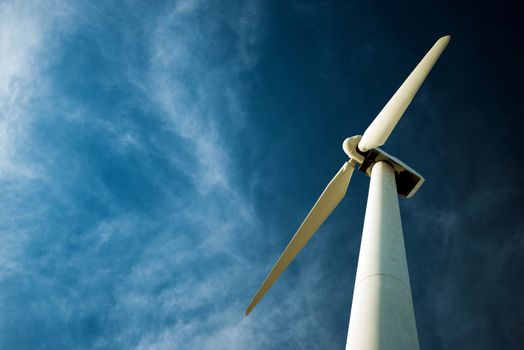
(175, 275)
(28, 34)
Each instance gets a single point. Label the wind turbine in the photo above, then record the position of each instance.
(382, 315)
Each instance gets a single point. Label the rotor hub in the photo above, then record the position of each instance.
(350, 147)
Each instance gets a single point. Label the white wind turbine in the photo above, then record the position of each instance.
(382, 314)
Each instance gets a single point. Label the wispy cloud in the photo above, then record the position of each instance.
(28, 34)
(131, 231)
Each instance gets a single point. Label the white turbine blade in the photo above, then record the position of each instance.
(378, 132)
(329, 199)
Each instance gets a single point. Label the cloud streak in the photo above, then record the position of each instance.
(122, 223)
(27, 35)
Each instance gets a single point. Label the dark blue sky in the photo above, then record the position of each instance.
(156, 158)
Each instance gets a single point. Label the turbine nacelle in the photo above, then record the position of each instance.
(407, 179)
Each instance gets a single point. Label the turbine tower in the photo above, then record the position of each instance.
(382, 315)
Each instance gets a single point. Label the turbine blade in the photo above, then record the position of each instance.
(379, 130)
(329, 199)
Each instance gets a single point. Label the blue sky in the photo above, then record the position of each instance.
(156, 158)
